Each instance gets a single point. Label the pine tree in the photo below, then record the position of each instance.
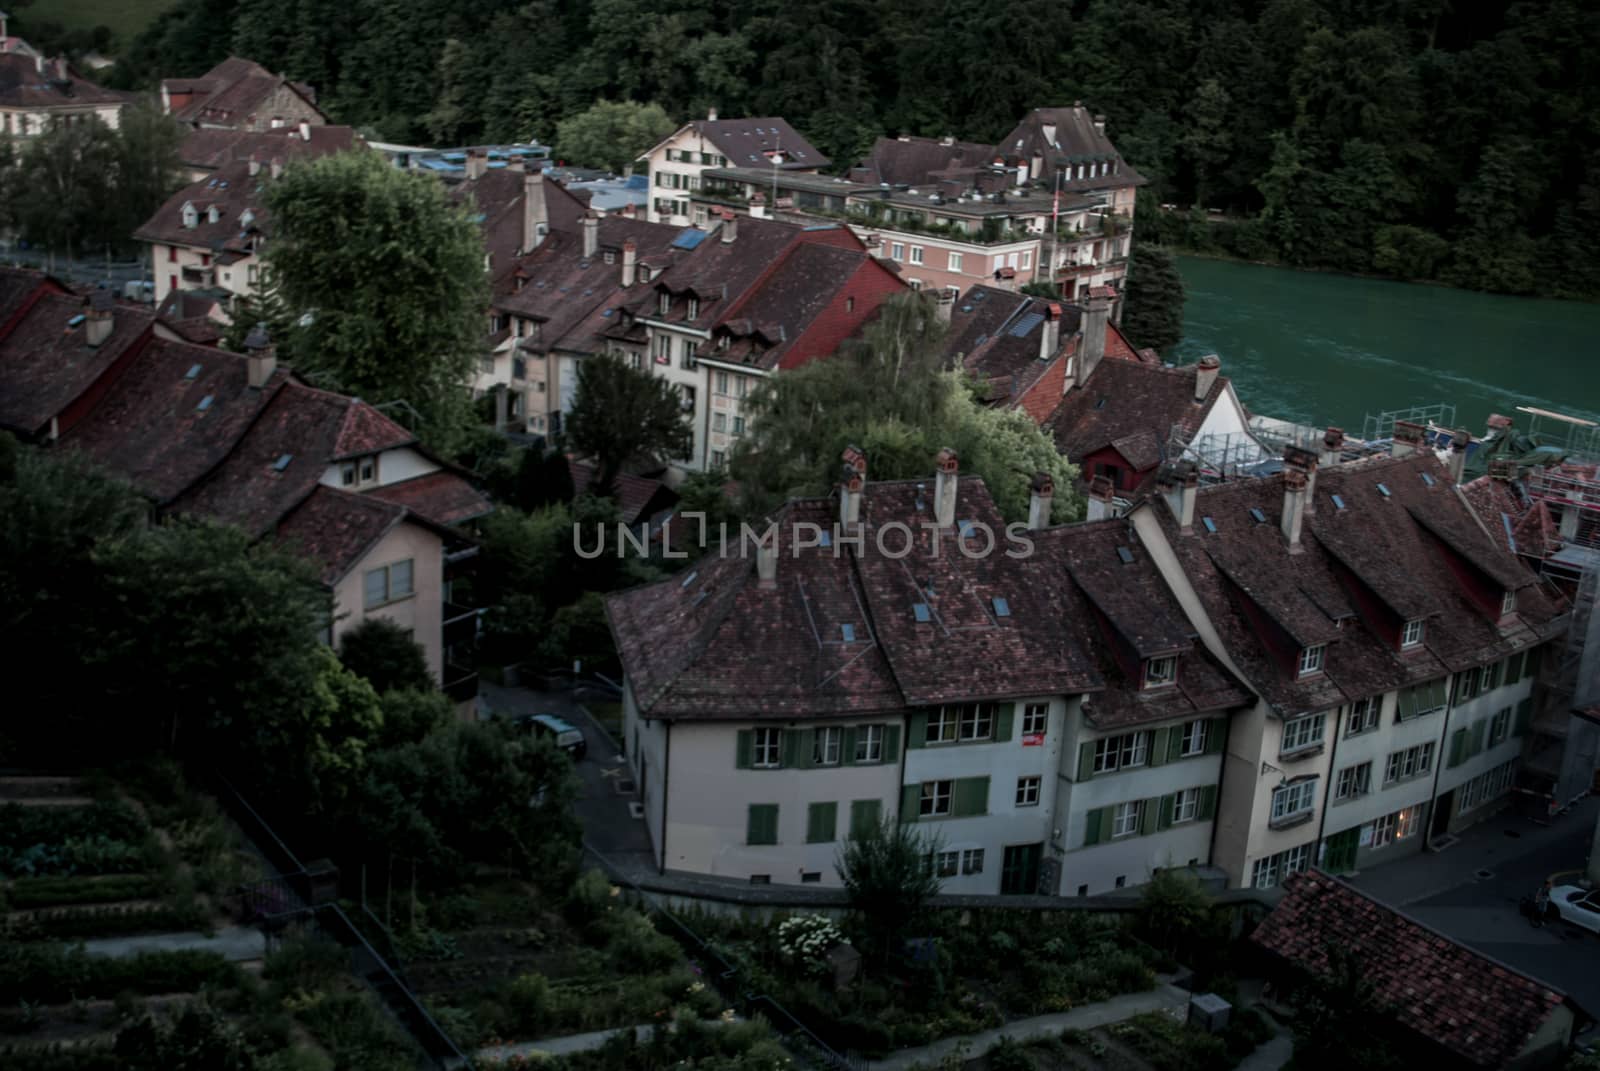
(1153, 315)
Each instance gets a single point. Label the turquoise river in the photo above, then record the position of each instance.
(1323, 349)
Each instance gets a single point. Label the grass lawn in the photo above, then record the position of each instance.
(125, 17)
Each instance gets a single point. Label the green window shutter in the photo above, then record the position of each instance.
(1216, 735)
(849, 754)
(1165, 818)
(762, 825)
(1524, 716)
(891, 743)
(1478, 732)
(970, 797)
(1207, 807)
(804, 750)
(1437, 692)
(1147, 816)
(745, 749)
(790, 748)
(1407, 706)
(1091, 826)
(864, 816)
(1175, 744)
(1514, 668)
(1002, 722)
(917, 735)
(822, 821)
(1085, 761)
(1158, 745)
(910, 802)
(1458, 747)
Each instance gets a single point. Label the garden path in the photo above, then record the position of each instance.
(1271, 1055)
(564, 1046)
(236, 943)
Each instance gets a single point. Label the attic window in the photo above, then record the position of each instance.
(1125, 555)
(694, 308)
(193, 372)
(967, 528)
(1508, 603)
(1311, 659)
(1002, 608)
(919, 610)
(1160, 672)
(1338, 503)
(76, 321)
(849, 632)
(611, 258)
(1383, 489)
(689, 579)
(1411, 634)
(205, 403)
(1211, 525)
(282, 462)
(1257, 515)
(825, 539)
(1427, 478)
(666, 303)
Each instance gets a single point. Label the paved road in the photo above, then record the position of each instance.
(1445, 891)
(237, 943)
(87, 270)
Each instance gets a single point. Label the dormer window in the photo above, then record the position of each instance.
(1508, 603)
(1160, 672)
(1411, 634)
(362, 472)
(213, 214)
(190, 215)
(1311, 659)
(694, 308)
(666, 303)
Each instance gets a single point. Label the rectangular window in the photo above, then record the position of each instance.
(972, 861)
(694, 308)
(690, 348)
(1195, 736)
(1508, 603)
(718, 458)
(869, 743)
(1293, 801)
(1407, 822)
(665, 303)
(826, 745)
(388, 583)
(722, 383)
(1353, 781)
(955, 262)
(369, 470)
(765, 753)
(1270, 871)
(738, 425)
(822, 821)
(1027, 259)
(347, 473)
(1303, 733)
(1117, 752)
(977, 721)
(1035, 719)
(943, 864)
(1362, 715)
(916, 254)
(1409, 763)
(1028, 791)
(1500, 726)
(943, 725)
(1160, 671)
(935, 798)
(1311, 659)
(1422, 699)
(741, 386)
(1125, 819)
(897, 251)
(761, 824)
(1411, 635)
(865, 816)
(1185, 805)
(1487, 786)
(719, 422)
(663, 349)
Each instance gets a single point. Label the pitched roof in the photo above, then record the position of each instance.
(637, 497)
(1482, 1011)
(24, 85)
(746, 142)
(335, 528)
(1077, 142)
(443, 497)
(1133, 406)
(997, 335)
(497, 197)
(1516, 521)
(231, 92)
(46, 362)
(764, 328)
(909, 161)
(211, 147)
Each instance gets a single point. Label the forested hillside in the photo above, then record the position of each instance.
(1420, 138)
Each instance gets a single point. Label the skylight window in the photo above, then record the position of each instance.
(1125, 554)
(205, 403)
(282, 462)
(849, 632)
(1427, 478)
(826, 540)
(1002, 608)
(1338, 503)
(1211, 525)
(193, 372)
(967, 528)
(76, 320)
(1383, 489)
(1257, 515)
(919, 610)
(689, 579)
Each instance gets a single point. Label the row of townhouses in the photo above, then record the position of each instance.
(235, 438)
(1333, 666)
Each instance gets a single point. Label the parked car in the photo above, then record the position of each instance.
(566, 736)
(1581, 907)
(135, 290)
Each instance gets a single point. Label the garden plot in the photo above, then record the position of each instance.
(1152, 1042)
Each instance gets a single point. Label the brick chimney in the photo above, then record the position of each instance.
(1332, 447)
(1100, 495)
(852, 483)
(1305, 462)
(98, 317)
(477, 162)
(1100, 124)
(1294, 508)
(277, 166)
(305, 130)
(591, 235)
(1040, 493)
(255, 164)
(1092, 346)
(730, 225)
(630, 262)
(767, 559)
(1050, 331)
(1407, 438)
(261, 357)
(1458, 454)
(947, 467)
(1205, 376)
(535, 216)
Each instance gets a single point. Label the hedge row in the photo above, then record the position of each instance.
(55, 974)
(51, 892)
(58, 1057)
(109, 920)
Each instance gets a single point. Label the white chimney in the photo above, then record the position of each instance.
(946, 472)
(1294, 507)
(1049, 130)
(1205, 376)
(711, 115)
(277, 166)
(261, 356)
(758, 206)
(305, 130)
(1180, 485)
(852, 483)
(1458, 455)
(1092, 344)
(767, 559)
(1100, 494)
(1050, 331)
(477, 162)
(1304, 462)
(1040, 493)
(1407, 439)
(1100, 124)
(591, 235)
(730, 225)
(630, 262)
(98, 319)
(255, 164)
(535, 220)
(1332, 447)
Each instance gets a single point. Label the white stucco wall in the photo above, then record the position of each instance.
(644, 742)
(421, 612)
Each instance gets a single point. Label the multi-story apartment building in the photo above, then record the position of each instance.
(240, 94)
(677, 162)
(234, 438)
(37, 93)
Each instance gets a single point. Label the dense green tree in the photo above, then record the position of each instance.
(621, 415)
(66, 187)
(885, 872)
(407, 266)
(147, 162)
(196, 1039)
(385, 655)
(1340, 1023)
(1153, 315)
(612, 134)
(544, 478)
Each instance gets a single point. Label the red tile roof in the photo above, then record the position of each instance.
(212, 147)
(1134, 406)
(996, 334)
(335, 528)
(1482, 1011)
(231, 92)
(24, 85)
(912, 161)
(638, 498)
(46, 361)
(443, 497)
(367, 431)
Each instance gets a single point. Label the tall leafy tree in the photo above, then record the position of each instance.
(612, 133)
(386, 656)
(66, 187)
(1153, 315)
(392, 277)
(622, 415)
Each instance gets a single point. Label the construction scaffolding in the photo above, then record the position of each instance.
(1380, 426)
(1221, 456)
(1562, 750)
(1577, 437)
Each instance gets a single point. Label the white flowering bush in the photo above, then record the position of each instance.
(805, 940)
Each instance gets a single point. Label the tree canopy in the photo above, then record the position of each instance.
(612, 134)
(1153, 315)
(621, 415)
(407, 267)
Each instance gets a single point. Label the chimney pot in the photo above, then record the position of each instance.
(630, 262)
(1457, 465)
(277, 166)
(730, 225)
(852, 482)
(947, 468)
(711, 115)
(1041, 490)
(767, 559)
(1407, 438)
(1292, 518)
(255, 164)
(591, 235)
(477, 162)
(1050, 332)
(1205, 376)
(1303, 461)
(305, 130)
(535, 218)
(1092, 344)
(1100, 495)
(261, 357)
(99, 320)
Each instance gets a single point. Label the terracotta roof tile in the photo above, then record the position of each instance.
(1135, 404)
(46, 362)
(367, 431)
(1480, 1010)
(334, 528)
(745, 142)
(24, 85)
(443, 497)
(638, 498)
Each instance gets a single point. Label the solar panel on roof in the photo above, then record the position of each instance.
(1211, 525)
(688, 238)
(1027, 324)
(1002, 608)
(919, 610)
(1260, 518)
(1383, 489)
(1125, 554)
(849, 633)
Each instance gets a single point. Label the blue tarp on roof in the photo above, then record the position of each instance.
(689, 239)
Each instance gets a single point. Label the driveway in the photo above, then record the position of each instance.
(1471, 892)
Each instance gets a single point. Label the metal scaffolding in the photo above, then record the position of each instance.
(1381, 425)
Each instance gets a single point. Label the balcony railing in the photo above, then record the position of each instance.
(460, 625)
(460, 682)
